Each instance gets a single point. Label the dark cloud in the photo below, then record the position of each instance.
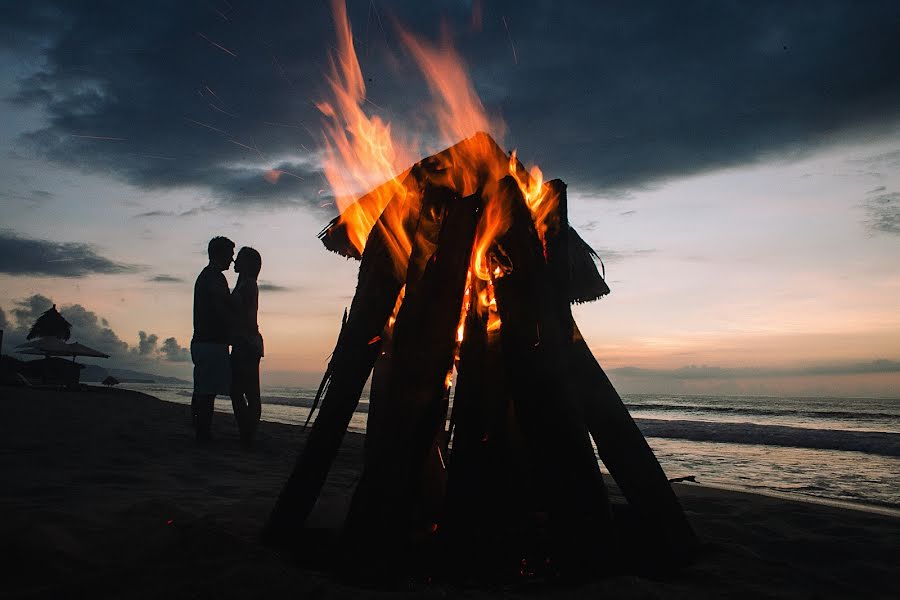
(91, 329)
(24, 256)
(173, 352)
(147, 343)
(883, 213)
(27, 311)
(606, 96)
(166, 279)
(712, 372)
(32, 197)
(171, 213)
(154, 213)
(609, 255)
(265, 286)
(88, 328)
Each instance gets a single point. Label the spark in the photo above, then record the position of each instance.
(294, 175)
(274, 124)
(222, 110)
(243, 145)
(205, 125)
(219, 46)
(99, 137)
(215, 95)
(373, 104)
(509, 37)
(281, 71)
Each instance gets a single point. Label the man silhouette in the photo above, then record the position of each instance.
(212, 325)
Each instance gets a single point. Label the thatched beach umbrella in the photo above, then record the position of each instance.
(51, 346)
(110, 381)
(51, 324)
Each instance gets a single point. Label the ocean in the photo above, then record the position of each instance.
(844, 450)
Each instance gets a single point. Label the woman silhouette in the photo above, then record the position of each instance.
(247, 345)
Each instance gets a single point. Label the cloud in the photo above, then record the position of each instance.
(173, 352)
(166, 279)
(609, 255)
(89, 329)
(154, 213)
(24, 256)
(883, 212)
(32, 197)
(625, 97)
(265, 286)
(150, 214)
(94, 331)
(147, 343)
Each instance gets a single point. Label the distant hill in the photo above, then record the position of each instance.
(98, 374)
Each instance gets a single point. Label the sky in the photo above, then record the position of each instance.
(736, 166)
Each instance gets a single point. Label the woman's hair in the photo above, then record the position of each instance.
(252, 261)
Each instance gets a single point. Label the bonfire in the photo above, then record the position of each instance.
(468, 265)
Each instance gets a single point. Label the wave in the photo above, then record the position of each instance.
(870, 442)
(770, 412)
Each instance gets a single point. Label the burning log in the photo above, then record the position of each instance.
(567, 481)
(388, 503)
(380, 281)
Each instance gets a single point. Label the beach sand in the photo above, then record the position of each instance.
(106, 495)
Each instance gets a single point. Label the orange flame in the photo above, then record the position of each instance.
(361, 155)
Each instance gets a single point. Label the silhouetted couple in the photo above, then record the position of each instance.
(223, 318)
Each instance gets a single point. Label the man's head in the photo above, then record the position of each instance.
(221, 252)
(248, 262)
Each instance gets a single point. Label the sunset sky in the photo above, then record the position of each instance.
(736, 166)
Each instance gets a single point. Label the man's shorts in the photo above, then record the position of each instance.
(212, 368)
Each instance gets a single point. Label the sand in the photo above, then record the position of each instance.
(106, 495)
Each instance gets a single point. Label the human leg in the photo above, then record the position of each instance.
(203, 415)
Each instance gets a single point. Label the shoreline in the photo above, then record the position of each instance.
(875, 508)
(109, 496)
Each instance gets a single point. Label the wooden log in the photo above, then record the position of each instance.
(484, 501)
(567, 480)
(620, 444)
(354, 354)
(630, 460)
(388, 508)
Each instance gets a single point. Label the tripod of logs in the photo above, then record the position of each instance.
(512, 484)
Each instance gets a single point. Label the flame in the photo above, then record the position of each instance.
(456, 107)
(361, 154)
(540, 202)
(397, 303)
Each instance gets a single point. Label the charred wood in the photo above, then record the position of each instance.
(390, 506)
(567, 484)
